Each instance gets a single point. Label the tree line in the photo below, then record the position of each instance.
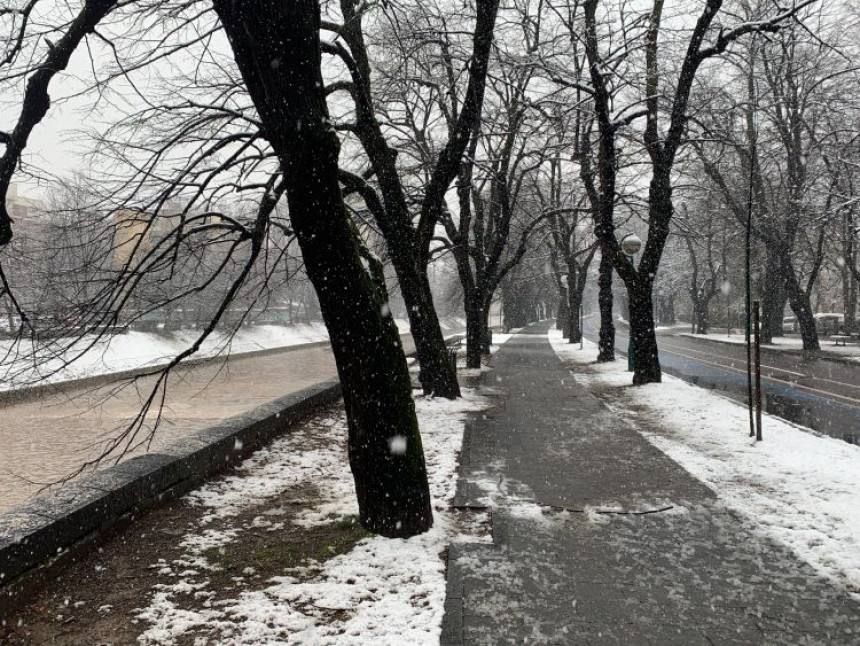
(508, 141)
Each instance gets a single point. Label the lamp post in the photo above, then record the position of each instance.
(630, 246)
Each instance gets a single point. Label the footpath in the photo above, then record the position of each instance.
(598, 537)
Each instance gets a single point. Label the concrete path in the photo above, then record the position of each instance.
(46, 439)
(674, 567)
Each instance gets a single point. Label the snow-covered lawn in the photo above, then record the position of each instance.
(795, 486)
(382, 591)
(828, 346)
(23, 364)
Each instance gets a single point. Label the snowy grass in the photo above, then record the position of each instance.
(383, 591)
(796, 486)
(25, 364)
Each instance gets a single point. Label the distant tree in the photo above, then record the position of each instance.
(408, 241)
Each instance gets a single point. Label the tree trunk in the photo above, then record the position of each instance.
(437, 374)
(563, 313)
(10, 315)
(606, 341)
(574, 301)
(773, 300)
(851, 307)
(646, 360)
(800, 305)
(699, 325)
(486, 335)
(385, 451)
(474, 331)
(849, 282)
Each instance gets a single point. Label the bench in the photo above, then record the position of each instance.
(843, 339)
(453, 346)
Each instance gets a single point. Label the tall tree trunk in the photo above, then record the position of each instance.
(851, 306)
(646, 360)
(486, 334)
(606, 341)
(385, 451)
(438, 376)
(436, 372)
(800, 305)
(563, 312)
(699, 324)
(574, 303)
(474, 331)
(849, 282)
(409, 249)
(773, 299)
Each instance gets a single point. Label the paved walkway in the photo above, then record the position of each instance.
(46, 439)
(557, 572)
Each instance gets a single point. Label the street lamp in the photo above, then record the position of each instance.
(630, 246)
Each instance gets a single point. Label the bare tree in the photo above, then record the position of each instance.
(291, 115)
(408, 243)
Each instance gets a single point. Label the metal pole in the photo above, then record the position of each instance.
(631, 349)
(728, 317)
(747, 340)
(756, 328)
(748, 291)
(748, 245)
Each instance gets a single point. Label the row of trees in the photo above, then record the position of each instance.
(400, 135)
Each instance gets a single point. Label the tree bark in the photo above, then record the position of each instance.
(849, 281)
(773, 300)
(574, 303)
(438, 376)
(474, 331)
(436, 372)
(800, 305)
(563, 312)
(486, 335)
(646, 363)
(606, 340)
(277, 49)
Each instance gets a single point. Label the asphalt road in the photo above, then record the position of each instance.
(816, 392)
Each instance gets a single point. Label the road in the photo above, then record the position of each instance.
(45, 440)
(816, 392)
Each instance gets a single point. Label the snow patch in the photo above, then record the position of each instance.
(796, 486)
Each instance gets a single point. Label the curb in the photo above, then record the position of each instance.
(40, 534)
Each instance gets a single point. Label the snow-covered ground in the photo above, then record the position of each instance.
(828, 346)
(796, 486)
(383, 591)
(23, 364)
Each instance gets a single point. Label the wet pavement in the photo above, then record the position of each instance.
(47, 439)
(600, 538)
